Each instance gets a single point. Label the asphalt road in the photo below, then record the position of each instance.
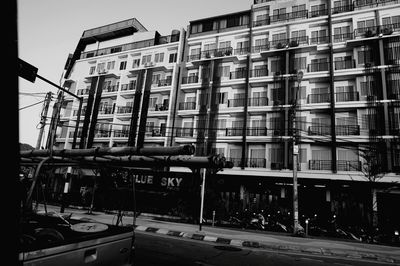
(161, 250)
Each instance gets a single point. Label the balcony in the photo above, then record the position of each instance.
(260, 72)
(106, 110)
(318, 13)
(317, 67)
(276, 165)
(256, 131)
(82, 92)
(184, 132)
(319, 40)
(319, 98)
(241, 51)
(124, 109)
(261, 22)
(190, 79)
(128, 87)
(342, 9)
(83, 111)
(187, 106)
(290, 16)
(347, 130)
(234, 131)
(344, 64)
(236, 161)
(260, 48)
(342, 165)
(239, 74)
(342, 37)
(373, 3)
(155, 131)
(319, 130)
(162, 82)
(121, 133)
(347, 96)
(256, 162)
(216, 52)
(112, 88)
(159, 107)
(102, 133)
(259, 101)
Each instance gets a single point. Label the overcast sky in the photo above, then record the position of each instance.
(48, 30)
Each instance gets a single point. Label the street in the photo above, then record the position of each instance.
(154, 249)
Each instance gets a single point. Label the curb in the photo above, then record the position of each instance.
(255, 244)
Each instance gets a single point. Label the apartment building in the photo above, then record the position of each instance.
(233, 85)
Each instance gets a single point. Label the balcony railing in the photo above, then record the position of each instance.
(159, 107)
(347, 96)
(234, 131)
(290, 16)
(217, 52)
(256, 163)
(373, 3)
(154, 131)
(260, 48)
(124, 109)
(317, 67)
(260, 101)
(260, 72)
(184, 132)
(236, 161)
(163, 82)
(347, 130)
(261, 22)
(341, 9)
(190, 79)
(319, 39)
(128, 87)
(112, 88)
(342, 165)
(256, 131)
(319, 98)
(106, 110)
(319, 130)
(342, 37)
(102, 133)
(121, 133)
(344, 64)
(82, 92)
(194, 57)
(187, 106)
(318, 13)
(241, 51)
(239, 74)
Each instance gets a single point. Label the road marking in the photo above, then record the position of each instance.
(141, 228)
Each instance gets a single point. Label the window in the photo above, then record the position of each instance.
(173, 57)
(365, 56)
(100, 67)
(299, 63)
(152, 102)
(279, 14)
(299, 35)
(222, 24)
(320, 155)
(122, 65)
(368, 121)
(159, 57)
(110, 65)
(319, 36)
(341, 34)
(155, 78)
(146, 59)
(303, 156)
(364, 25)
(223, 71)
(275, 65)
(367, 88)
(116, 49)
(136, 63)
(276, 155)
(221, 98)
(196, 28)
(92, 70)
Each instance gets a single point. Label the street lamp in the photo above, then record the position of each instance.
(296, 225)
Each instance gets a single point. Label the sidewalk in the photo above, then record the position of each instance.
(239, 238)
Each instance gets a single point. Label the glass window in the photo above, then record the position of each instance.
(122, 65)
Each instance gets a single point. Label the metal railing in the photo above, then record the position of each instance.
(342, 165)
(341, 9)
(347, 96)
(342, 37)
(82, 91)
(163, 82)
(124, 109)
(347, 130)
(261, 22)
(259, 101)
(260, 72)
(318, 13)
(319, 130)
(187, 106)
(112, 88)
(319, 39)
(184, 132)
(290, 16)
(217, 52)
(241, 51)
(128, 87)
(317, 67)
(344, 64)
(106, 110)
(260, 48)
(239, 74)
(121, 133)
(319, 98)
(190, 79)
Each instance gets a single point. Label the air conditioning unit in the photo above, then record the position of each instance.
(387, 31)
(369, 33)
(294, 43)
(280, 45)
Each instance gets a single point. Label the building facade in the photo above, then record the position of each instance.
(322, 74)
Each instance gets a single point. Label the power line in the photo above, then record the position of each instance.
(30, 105)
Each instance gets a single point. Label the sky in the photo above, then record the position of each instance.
(48, 30)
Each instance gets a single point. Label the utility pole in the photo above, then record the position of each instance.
(43, 118)
(54, 121)
(296, 226)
